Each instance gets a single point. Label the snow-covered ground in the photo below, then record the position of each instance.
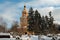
(32, 37)
(41, 37)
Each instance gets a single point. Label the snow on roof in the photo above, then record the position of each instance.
(4, 33)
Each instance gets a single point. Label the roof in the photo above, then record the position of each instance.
(4, 33)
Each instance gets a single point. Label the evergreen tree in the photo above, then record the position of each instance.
(46, 24)
(37, 22)
(30, 19)
(43, 24)
(46, 21)
(51, 19)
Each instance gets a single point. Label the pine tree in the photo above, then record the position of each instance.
(30, 20)
(51, 19)
(37, 22)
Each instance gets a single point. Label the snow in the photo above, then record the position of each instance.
(33, 37)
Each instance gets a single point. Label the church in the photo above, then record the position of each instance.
(24, 20)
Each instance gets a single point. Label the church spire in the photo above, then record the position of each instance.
(25, 12)
(24, 6)
(24, 19)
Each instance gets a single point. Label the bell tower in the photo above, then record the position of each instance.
(23, 20)
(25, 12)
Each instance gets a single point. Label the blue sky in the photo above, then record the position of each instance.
(11, 10)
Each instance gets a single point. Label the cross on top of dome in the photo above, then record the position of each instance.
(24, 5)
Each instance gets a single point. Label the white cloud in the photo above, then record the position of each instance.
(44, 11)
(42, 3)
(55, 12)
